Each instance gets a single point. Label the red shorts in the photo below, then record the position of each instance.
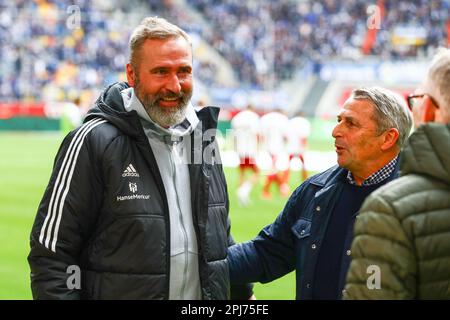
(248, 163)
(300, 156)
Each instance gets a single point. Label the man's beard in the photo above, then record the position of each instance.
(164, 116)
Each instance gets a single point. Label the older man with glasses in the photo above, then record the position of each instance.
(401, 248)
(414, 100)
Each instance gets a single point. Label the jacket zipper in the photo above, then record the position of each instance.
(151, 162)
(183, 229)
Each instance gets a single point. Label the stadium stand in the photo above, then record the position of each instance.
(263, 43)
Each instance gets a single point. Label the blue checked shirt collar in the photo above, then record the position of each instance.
(378, 176)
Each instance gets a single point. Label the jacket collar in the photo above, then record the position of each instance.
(427, 152)
(336, 173)
(329, 176)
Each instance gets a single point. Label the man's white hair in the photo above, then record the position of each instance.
(439, 76)
(390, 111)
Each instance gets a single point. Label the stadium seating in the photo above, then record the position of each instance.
(44, 57)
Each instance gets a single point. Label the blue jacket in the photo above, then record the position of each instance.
(294, 240)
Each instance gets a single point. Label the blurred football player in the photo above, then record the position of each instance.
(245, 127)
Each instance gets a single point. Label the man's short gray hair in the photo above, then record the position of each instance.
(390, 111)
(153, 28)
(439, 74)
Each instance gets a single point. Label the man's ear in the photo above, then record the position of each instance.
(130, 75)
(429, 110)
(390, 139)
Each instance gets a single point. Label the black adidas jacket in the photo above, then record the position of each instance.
(114, 226)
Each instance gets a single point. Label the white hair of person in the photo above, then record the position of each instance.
(439, 76)
(391, 110)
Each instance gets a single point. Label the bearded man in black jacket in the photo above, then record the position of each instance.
(137, 204)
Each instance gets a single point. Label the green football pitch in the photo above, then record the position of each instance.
(25, 165)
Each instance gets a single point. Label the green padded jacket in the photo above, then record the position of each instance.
(401, 248)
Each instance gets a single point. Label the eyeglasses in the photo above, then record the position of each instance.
(414, 98)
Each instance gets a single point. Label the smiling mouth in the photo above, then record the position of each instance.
(169, 102)
(170, 99)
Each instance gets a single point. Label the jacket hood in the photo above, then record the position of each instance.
(427, 152)
(109, 105)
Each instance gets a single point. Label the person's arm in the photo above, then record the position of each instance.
(270, 255)
(383, 262)
(242, 291)
(65, 218)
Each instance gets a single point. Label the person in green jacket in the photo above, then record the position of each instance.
(401, 248)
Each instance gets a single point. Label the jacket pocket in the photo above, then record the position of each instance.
(302, 232)
(216, 233)
(131, 244)
(125, 286)
(302, 228)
